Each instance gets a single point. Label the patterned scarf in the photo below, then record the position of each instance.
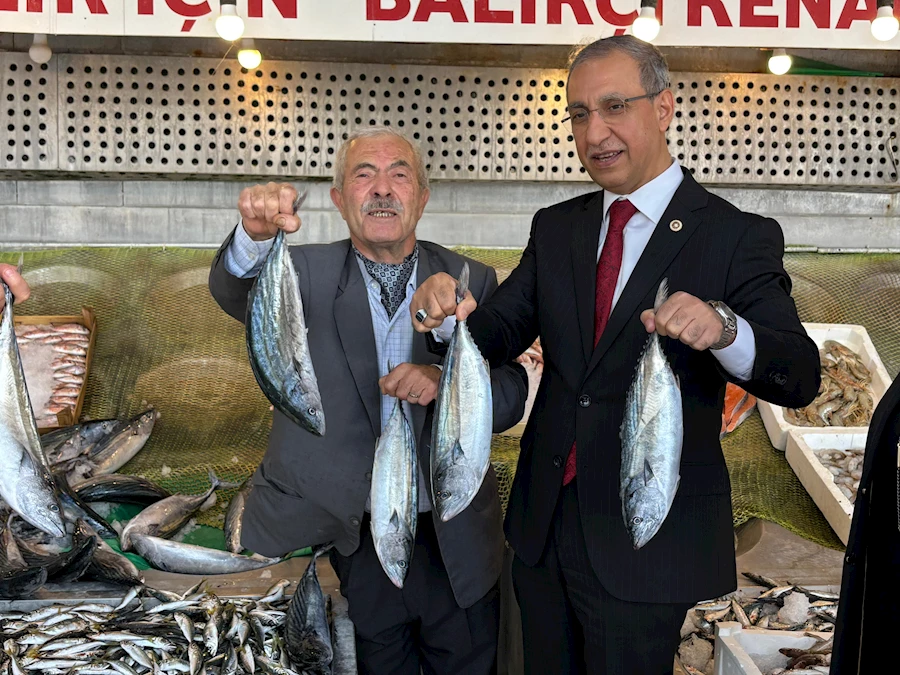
(392, 278)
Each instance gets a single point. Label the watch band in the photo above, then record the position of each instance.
(729, 324)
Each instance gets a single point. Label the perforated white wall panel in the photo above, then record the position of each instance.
(175, 115)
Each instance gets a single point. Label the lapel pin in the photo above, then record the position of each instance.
(676, 225)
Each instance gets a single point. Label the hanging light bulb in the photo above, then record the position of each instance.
(229, 25)
(40, 51)
(249, 56)
(885, 24)
(779, 62)
(646, 25)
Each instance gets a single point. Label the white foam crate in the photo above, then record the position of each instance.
(817, 479)
(856, 338)
(740, 651)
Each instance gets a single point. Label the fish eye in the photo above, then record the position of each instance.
(54, 508)
(312, 411)
(401, 564)
(637, 520)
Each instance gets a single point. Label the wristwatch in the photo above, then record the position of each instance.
(729, 324)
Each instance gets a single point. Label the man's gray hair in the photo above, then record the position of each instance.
(340, 162)
(653, 67)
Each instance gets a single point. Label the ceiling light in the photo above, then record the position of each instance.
(779, 62)
(646, 25)
(885, 24)
(229, 25)
(40, 51)
(249, 56)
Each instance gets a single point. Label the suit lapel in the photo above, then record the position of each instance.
(661, 250)
(585, 237)
(354, 326)
(420, 353)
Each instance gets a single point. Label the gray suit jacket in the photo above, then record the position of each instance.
(310, 490)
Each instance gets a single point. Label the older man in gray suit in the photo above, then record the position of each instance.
(309, 490)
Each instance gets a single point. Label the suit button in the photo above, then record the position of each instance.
(368, 475)
(557, 461)
(354, 521)
(584, 400)
(850, 559)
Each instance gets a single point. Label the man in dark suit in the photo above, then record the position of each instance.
(872, 561)
(310, 490)
(586, 284)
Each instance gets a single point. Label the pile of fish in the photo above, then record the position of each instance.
(845, 396)
(191, 633)
(463, 420)
(738, 406)
(845, 467)
(276, 339)
(65, 354)
(782, 606)
(651, 436)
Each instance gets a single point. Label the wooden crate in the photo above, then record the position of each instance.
(88, 320)
(851, 336)
(817, 479)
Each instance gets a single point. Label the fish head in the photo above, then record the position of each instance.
(45, 514)
(395, 551)
(312, 413)
(454, 487)
(143, 423)
(645, 510)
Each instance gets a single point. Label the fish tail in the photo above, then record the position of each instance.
(661, 294)
(462, 285)
(21, 264)
(322, 549)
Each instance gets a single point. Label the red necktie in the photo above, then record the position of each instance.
(608, 267)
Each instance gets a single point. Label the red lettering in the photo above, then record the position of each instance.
(612, 17)
(13, 6)
(750, 19)
(452, 7)
(818, 10)
(484, 13)
(554, 11)
(528, 11)
(376, 12)
(178, 6)
(852, 12)
(695, 12)
(94, 6)
(287, 8)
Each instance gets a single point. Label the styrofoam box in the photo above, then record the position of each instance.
(853, 337)
(741, 651)
(817, 480)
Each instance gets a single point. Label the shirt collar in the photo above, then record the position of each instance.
(652, 198)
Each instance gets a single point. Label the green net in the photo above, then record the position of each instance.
(163, 341)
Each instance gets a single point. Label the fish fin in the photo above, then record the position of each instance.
(390, 365)
(462, 285)
(662, 294)
(395, 520)
(648, 472)
(457, 453)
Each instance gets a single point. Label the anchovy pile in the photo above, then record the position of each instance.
(197, 632)
(68, 344)
(845, 467)
(782, 606)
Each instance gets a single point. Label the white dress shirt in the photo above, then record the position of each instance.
(651, 201)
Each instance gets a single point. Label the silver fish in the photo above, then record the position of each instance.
(651, 435)
(277, 343)
(10, 555)
(306, 625)
(109, 565)
(234, 518)
(167, 516)
(80, 439)
(394, 496)
(116, 450)
(463, 421)
(172, 556)
(25, 483)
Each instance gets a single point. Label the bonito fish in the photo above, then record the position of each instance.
(25, 483)
(463, 421)
(306, 632)
(277, 342)
(180, 558)
(394, 496)
(651, 436)
(234, 518)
